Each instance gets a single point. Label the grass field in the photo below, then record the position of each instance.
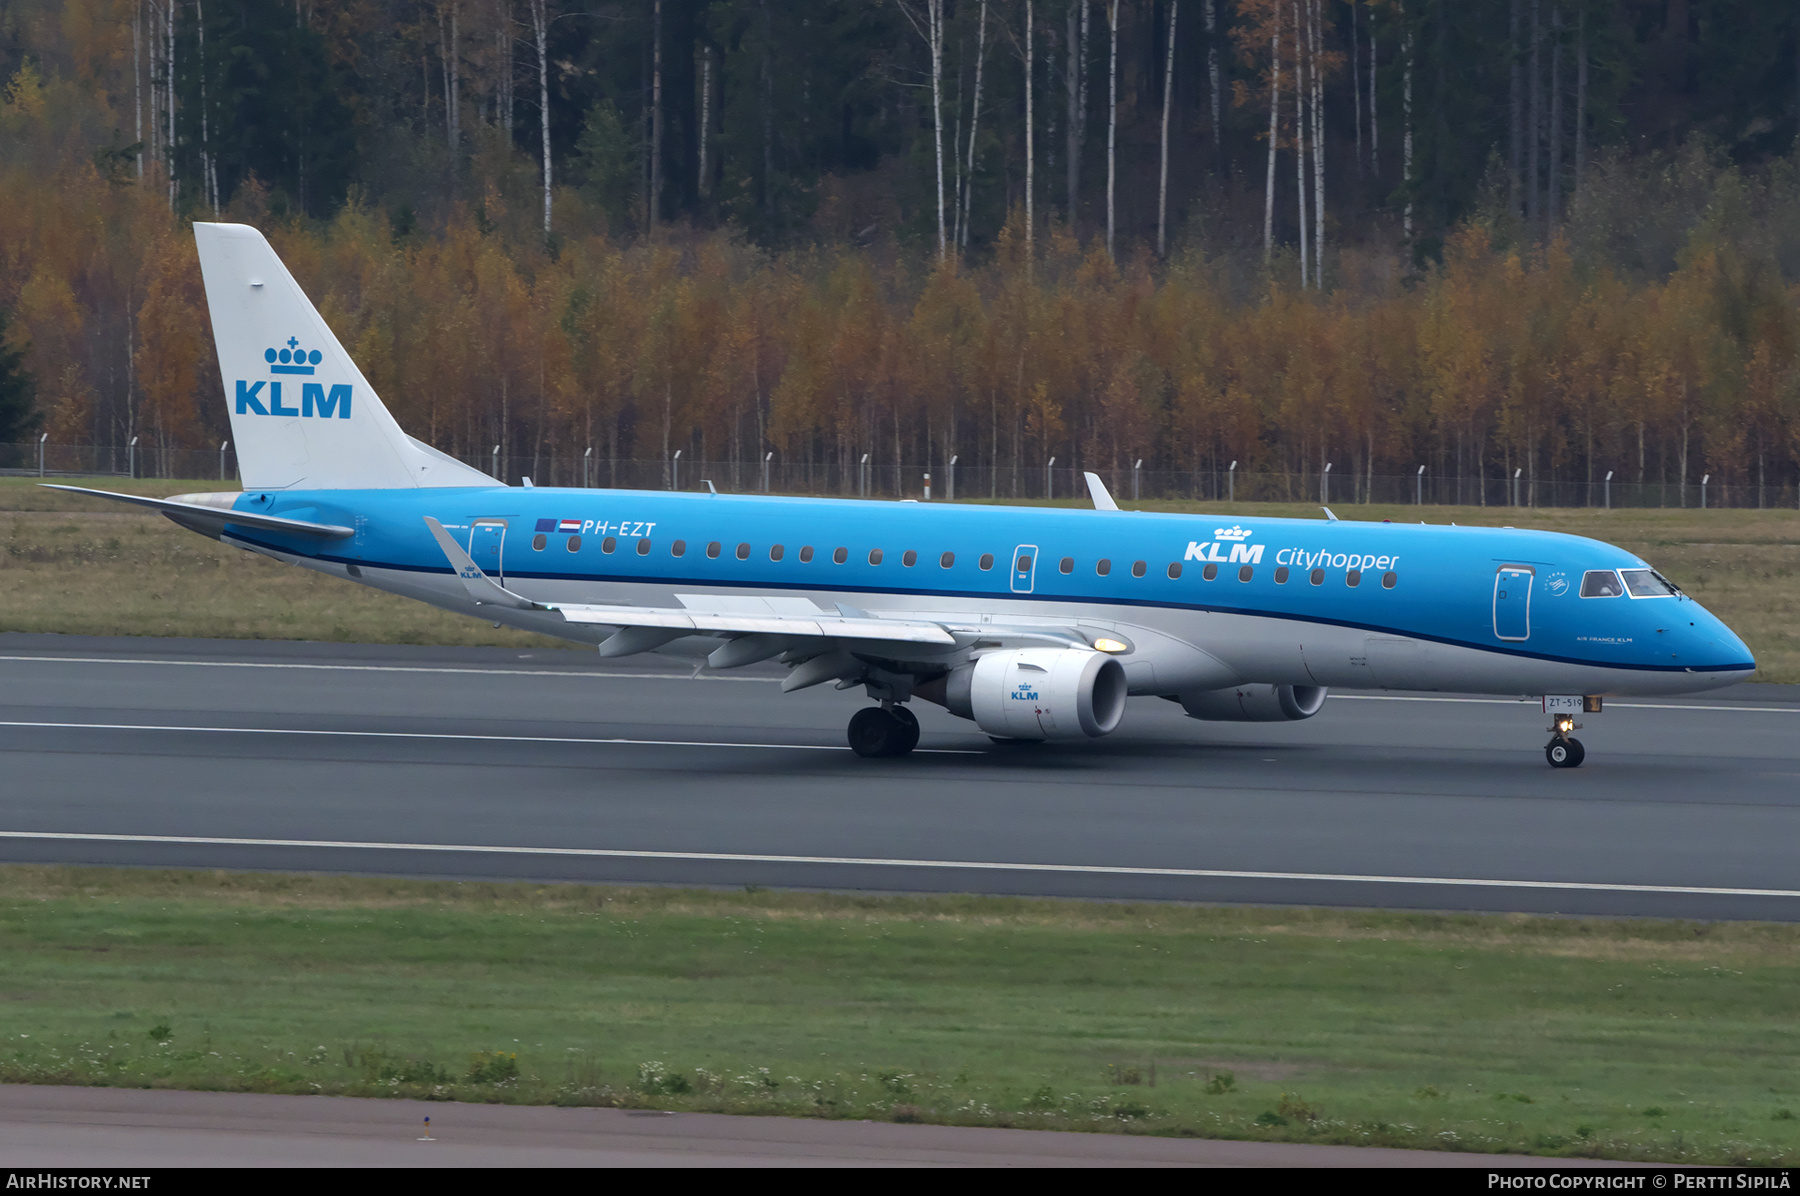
(86, 566)
(1633, 1040)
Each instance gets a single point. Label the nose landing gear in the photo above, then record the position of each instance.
(889, 729)
(1563, 750)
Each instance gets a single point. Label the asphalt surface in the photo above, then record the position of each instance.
(147, 1130)
(556, 765)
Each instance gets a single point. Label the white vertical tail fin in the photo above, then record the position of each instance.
(302, 414)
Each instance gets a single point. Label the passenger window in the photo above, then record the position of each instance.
(1317, 577)
(644, 546)
(987, 561)
(1601, 583)
(679, 548)
(1388, 580)
(712, 551)
(743, 552)
(1067, 565)
(1281, 576)
(1138, 568)
(608, 544)
(806, 555)
(1246, 573)
(947, 560)
(775, 553)
(910, 559)
(1648, 583)
(874, 556)
(1207, 573)
(1353, 578)
(574, 543)
(1102, 567)
(537, 542)
(841, 555)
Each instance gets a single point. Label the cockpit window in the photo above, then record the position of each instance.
(1648, 583)
(1601, 583)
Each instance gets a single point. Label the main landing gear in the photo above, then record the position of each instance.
(889, 729)
(1563, 750)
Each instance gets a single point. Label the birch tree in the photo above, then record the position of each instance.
(1112, 124)
(1075, 85)
(928, 22)
(968, 185)
(1162, 186)
(1212, 64)
(540, 30)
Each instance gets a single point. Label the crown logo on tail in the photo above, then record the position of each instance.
(293, 359)
(1231, 533)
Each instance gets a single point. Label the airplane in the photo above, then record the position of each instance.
(1036, 624)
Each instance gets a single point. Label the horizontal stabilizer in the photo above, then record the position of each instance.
(212, 519)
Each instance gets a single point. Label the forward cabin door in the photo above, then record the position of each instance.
(487, 537)
(1512, 602)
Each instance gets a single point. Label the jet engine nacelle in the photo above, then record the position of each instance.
(1255, 703)
(1038, 693)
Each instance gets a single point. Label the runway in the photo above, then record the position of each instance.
(556, 765)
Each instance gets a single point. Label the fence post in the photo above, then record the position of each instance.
(1704, 478)
(131, 457)
(1609, 474)
(1049, 481)
(767, 457)
(950, 482)
(1515, 485)
(1231, 482)
(1325, 484)
(495, 468)
(862, 477)
(45, 436)
(927, 487)
(1136, 472)
(587, 460)
(675, 471)
(1419, 488)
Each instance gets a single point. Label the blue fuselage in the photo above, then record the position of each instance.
(1508, 597)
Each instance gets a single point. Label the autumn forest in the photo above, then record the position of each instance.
(1504, 248)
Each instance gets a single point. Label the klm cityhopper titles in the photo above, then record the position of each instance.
(1035, 624)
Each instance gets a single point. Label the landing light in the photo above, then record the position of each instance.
(1110, 645)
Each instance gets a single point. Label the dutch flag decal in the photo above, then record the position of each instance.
(569, 525)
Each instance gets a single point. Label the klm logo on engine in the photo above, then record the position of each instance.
(316, 400)
(1241, 553)
(1024, 692)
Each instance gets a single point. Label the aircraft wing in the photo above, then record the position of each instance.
(210, 520)
(790, 617)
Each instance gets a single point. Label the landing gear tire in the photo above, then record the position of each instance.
(875, 732)
(1565, 753)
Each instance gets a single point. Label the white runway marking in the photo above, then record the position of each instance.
(380, 668)
(877, 862)
(704, 676)
(792, 747)
(1610, 705)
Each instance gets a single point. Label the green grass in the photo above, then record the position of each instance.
(79, 565)
(1620, 1039)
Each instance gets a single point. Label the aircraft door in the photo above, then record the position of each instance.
(1512, 602)
(1024, 567)
(486, 539)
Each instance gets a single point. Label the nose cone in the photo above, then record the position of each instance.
(1715, 650)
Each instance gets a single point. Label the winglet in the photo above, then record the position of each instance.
(1103, 501)
(1329, 515)
(482, 588)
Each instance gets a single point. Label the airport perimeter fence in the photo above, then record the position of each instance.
(864, 478)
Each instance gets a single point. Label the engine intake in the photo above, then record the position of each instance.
(1255, 703)
(1036, 693)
